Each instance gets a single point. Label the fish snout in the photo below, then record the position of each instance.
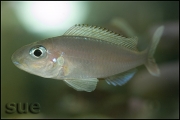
(16, 60)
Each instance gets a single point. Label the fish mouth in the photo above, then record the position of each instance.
(17, 61)
(20, 65)
(14, 60)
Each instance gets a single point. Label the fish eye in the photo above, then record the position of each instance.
(38, 51)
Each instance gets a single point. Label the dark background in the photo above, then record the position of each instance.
(144, 96)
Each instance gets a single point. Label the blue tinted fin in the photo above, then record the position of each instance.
(122, 78)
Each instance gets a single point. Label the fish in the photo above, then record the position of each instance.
(84, 54)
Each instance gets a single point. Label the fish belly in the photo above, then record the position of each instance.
(93, 58)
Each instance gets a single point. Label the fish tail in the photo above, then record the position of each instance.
(151, 63)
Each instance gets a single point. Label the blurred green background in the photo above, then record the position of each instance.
(144, 96)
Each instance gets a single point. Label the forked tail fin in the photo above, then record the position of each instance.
(151, 64)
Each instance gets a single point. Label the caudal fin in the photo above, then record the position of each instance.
(151, 63)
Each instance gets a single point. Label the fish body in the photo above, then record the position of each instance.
(85, 53)
(92, 58)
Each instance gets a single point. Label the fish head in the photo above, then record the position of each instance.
(38, 58)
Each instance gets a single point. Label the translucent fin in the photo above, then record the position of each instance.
(155, 40)
(87, 85)
(152, 67)
(102, 34)
(151, 64)
(121, 78)
(124, 26)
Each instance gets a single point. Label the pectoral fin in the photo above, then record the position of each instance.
(122, 78)
(87, 85)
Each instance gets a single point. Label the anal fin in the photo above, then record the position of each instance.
(122, 78)
(87, 85)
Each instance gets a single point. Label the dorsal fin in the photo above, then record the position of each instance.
(102, 34)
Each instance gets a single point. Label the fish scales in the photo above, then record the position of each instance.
(85, 53)
(94, 58)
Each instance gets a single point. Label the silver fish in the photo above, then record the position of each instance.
(85, 53)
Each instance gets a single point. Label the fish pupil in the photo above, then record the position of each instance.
(37, 53)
